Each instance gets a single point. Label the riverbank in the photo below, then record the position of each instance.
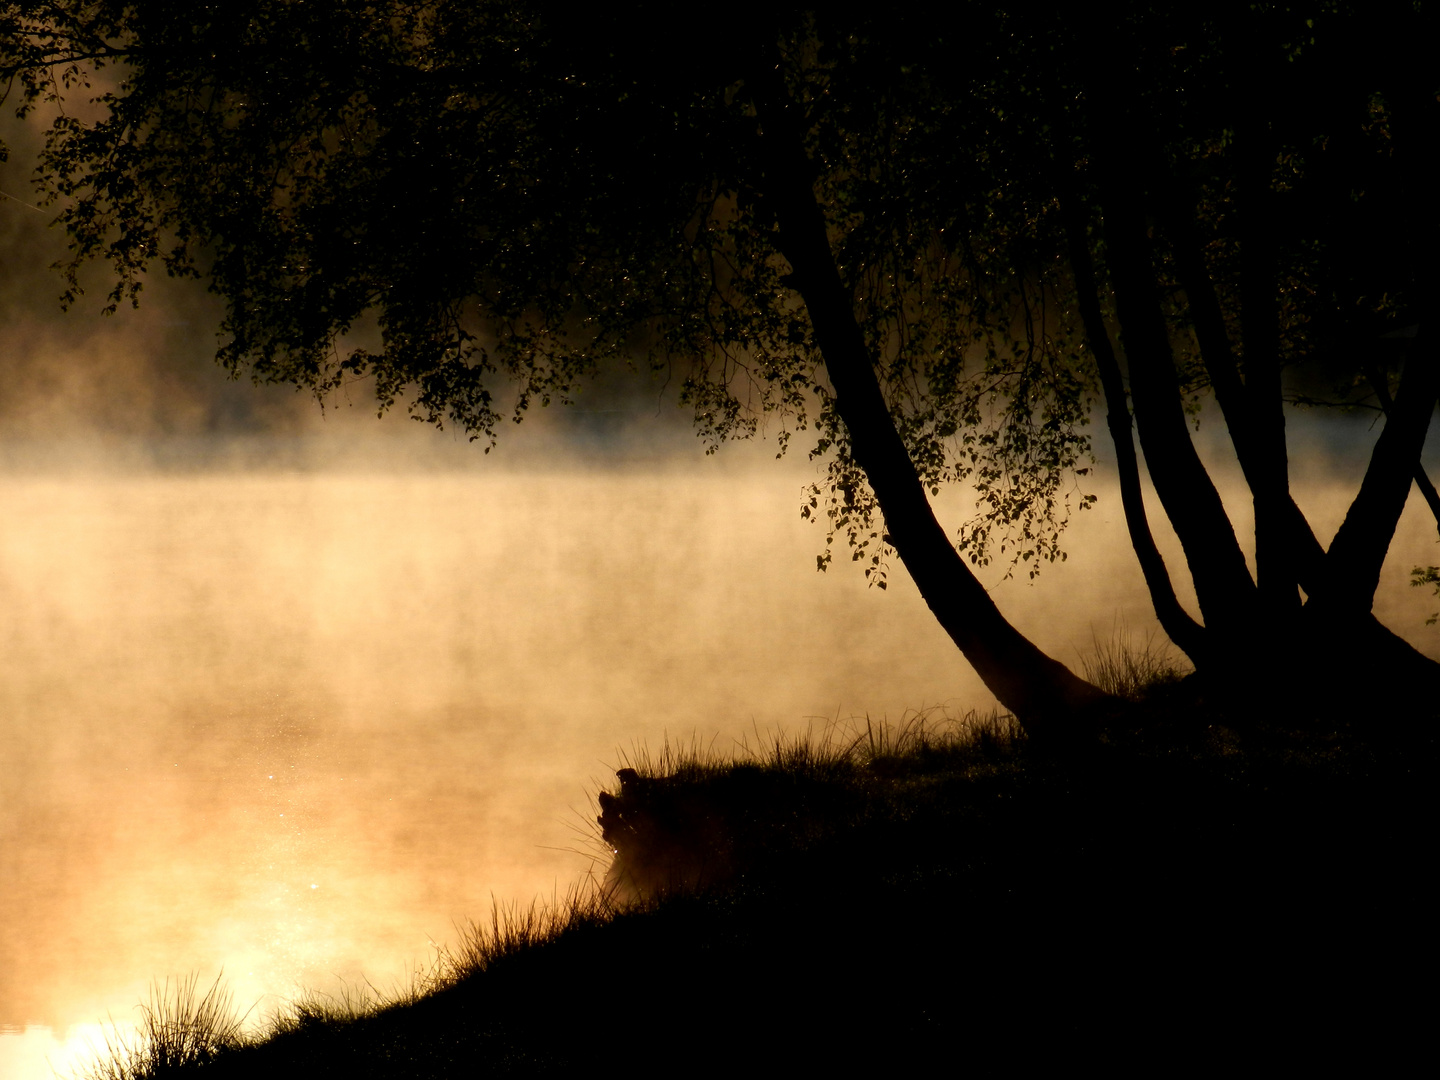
(1221, 884)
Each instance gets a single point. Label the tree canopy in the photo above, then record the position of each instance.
(937, 243)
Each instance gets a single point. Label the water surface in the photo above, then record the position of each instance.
(299, 723)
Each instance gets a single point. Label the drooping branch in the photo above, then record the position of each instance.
(1183, 630)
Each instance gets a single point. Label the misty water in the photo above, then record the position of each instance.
(297, 721)
(298, 724)
(292, 697)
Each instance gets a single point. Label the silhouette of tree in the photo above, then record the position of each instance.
(933, 241)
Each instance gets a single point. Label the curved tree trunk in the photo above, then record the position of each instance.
(1352, 564)
(1184, 631)
(1260, 354)
(1423, 483)
(1302, 551)
(1222, 580)
(1041, 691)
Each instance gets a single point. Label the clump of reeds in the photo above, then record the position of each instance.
(513, 929)
(315, 1008)
(833, 747)
(181, 1027)
(928, 732)
(1130, 670)
(690, 819)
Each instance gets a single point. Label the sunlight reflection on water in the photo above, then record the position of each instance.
(300, 725)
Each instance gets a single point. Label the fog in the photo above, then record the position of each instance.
(291, 694)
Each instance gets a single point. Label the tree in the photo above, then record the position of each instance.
(934, 240)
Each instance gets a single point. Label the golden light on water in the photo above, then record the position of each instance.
(297, 726)
(291, 698)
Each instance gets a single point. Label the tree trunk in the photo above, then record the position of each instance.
(1184, 631)
(1423, 483)
(1042, 692)
(1302, 550)
(1352, 565)
(1260, 354)
(1222, 580)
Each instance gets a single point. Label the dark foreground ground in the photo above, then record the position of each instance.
(1225, 890)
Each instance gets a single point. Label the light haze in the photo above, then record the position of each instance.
(292, 696)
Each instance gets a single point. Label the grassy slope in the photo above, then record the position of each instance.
(1201, 890)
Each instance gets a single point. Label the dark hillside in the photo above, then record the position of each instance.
(969, 900)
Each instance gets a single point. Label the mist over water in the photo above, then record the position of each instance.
(298, 724)
(291, 695)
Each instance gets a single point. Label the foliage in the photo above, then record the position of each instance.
(1427, 575)
(474, 207)
(508, 208)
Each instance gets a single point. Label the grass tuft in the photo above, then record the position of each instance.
(513, 930)
(181, 1027)
(316, 1009)
(1130, 670)
(835, 748)
(692, 820)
